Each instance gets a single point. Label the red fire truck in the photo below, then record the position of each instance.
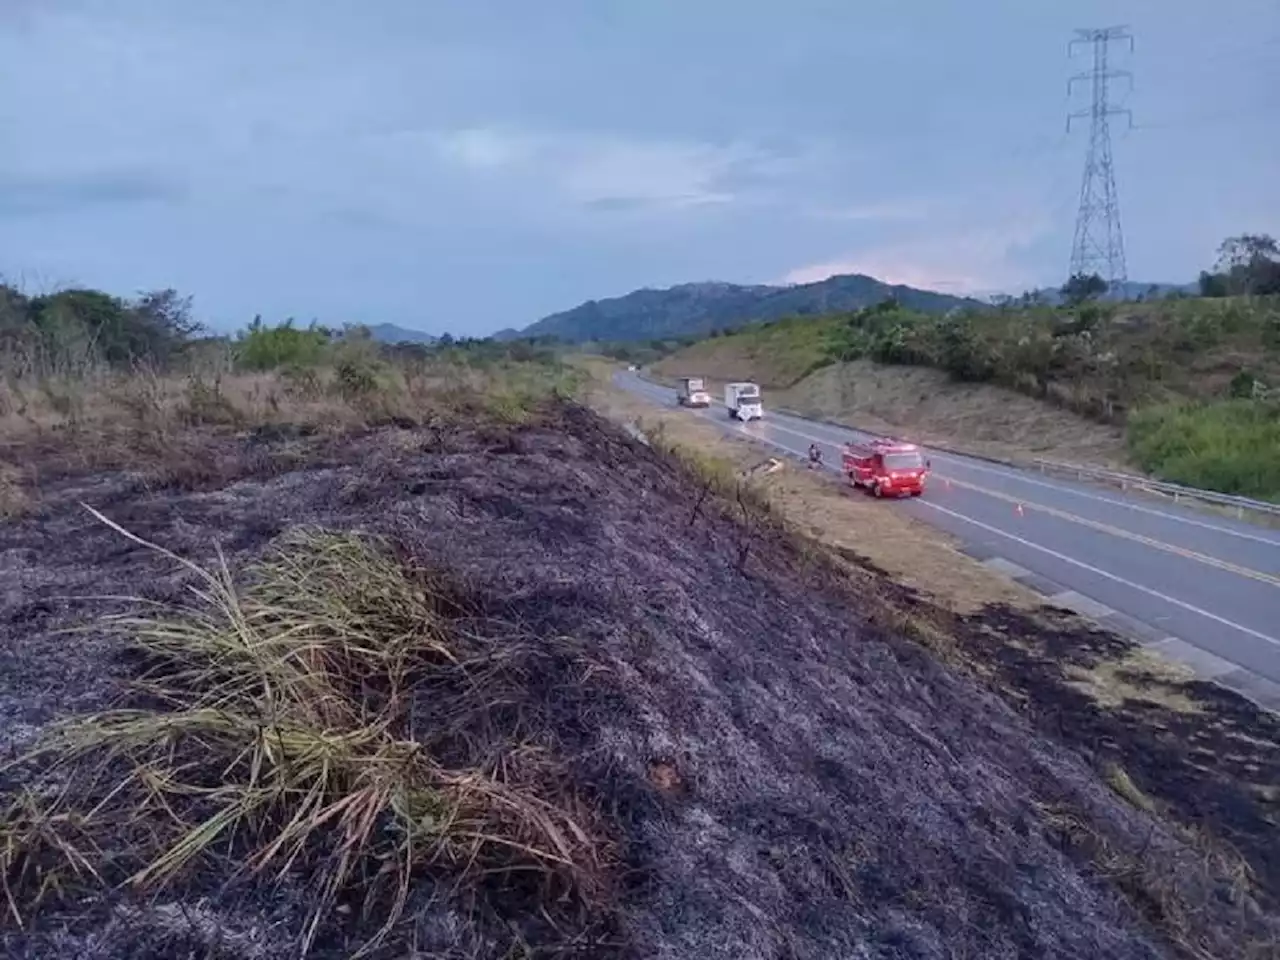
(886, 467)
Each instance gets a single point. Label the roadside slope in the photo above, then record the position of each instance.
(756, 761)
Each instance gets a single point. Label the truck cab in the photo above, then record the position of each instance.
(743, 401)
(886, 467)
(693, 393)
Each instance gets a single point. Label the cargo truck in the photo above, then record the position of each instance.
(743, 401)
(693, 393)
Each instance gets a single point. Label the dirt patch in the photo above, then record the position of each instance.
(787, 773)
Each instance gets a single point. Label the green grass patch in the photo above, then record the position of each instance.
(1231, 446)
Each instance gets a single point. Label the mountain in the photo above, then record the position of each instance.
(390, 333)
(696, 309)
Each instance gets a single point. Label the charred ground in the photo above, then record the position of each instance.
(763, 757)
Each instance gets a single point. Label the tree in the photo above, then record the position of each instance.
(1081, 287)
(1212, 284)
(1248, 264)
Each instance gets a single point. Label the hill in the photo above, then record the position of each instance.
(412, 650)
(497, 680)
(390, 333)
(1190, 382)
(698, 309)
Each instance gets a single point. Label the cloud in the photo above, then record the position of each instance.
(970, 245)
(969, 262)
(609, 173)
(29, 196)
(481, 148)
(888, 210)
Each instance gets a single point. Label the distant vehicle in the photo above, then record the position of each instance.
(631, 367)
(886, 467)
(743, 401)
(693, 393)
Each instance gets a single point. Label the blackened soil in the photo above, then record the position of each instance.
(792, 778)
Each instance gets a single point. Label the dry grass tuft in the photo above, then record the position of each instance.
(298, 728)
(1119, 780)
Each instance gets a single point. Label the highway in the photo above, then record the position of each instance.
(1203, 589)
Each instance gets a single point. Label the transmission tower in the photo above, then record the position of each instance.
(1099, 243)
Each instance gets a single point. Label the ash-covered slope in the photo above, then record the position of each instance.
(784, 777)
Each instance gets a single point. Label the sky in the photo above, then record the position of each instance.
(469, 165)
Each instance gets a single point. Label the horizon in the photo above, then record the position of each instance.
(469, 170)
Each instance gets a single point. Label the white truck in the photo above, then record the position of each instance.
(693, 393)
(743, 401)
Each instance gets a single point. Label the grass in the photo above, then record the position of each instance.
(160, 424)
(298, 725)
(778, 354)
(1232, 446)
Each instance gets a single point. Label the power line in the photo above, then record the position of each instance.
(1098, 246)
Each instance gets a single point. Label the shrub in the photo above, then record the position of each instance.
(261, 347)
(1231, 446)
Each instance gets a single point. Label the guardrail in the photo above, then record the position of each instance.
(1177, 492)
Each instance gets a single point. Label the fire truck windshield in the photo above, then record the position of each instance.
(903, 461)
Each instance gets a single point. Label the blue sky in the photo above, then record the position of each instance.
(466, 166)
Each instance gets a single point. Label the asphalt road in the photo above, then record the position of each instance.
(1209, 582)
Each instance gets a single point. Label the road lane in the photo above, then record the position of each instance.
(1212, 583)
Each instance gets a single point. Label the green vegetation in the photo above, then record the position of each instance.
(110, 384)
(1230, 445)
(1193, 380)
(260, 347)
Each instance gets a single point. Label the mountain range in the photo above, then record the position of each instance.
(696, 309)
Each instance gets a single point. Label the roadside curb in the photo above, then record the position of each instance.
(1206, 666)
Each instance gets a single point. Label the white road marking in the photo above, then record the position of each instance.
(967, 464)
(1086, 494)
(1190, 608)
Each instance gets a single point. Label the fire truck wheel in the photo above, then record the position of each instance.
(877, 490)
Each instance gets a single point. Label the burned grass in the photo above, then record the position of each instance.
(712, 739)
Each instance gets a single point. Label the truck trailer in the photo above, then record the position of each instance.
(743, 401)
(693, 393)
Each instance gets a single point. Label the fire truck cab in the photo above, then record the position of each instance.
(886, 467)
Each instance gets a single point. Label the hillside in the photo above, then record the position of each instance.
(698, 309)
(311, 644)
(1188, 385)
(471, 670)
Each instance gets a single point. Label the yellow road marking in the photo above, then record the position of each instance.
(1125, 534)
